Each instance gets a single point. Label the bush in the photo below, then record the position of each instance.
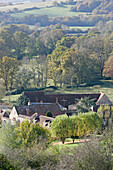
(49, 114)
(91, 155)
(22, 100)
(5, 164)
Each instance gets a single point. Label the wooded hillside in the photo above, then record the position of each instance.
(95, 6)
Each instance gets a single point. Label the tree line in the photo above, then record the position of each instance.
(76, 126)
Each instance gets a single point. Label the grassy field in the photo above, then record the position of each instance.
(26, 5)
(82, 28)
(50, 11)
(76, 27)
(68, 144)
(10, 100)
(65, 146)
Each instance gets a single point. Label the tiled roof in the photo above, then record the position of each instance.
(103, 99)
(40, 108)
(62, 99)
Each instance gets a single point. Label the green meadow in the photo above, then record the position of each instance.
(50, 11)
(81, 28)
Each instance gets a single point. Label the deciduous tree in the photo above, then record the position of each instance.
(108, 68)
(22, 100)
(8, 69)
(60, 127)
(29, 133)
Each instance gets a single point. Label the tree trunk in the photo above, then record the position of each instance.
(38, 83)
(71, 81)
(101, 72)
(63, 140)
(6, 84)
(11, 84)
(54, 83)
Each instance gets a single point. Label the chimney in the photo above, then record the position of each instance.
(56, 99)
(29, 103)
(27, 112)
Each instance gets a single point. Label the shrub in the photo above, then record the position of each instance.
(22, 100)
(49, 114)
(5, 164)
(91, 155)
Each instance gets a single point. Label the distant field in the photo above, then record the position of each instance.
(76, 27)
(27, 5)
(50, 11)
(82, 28)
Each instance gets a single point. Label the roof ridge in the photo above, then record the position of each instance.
(101, 95)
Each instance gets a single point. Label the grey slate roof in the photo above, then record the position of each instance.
(41, 109)
(103, 100)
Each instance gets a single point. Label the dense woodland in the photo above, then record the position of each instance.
(33, 59)
(95, 6)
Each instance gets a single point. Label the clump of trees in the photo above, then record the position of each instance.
(90, 155)
(94, 6)
(29, 133)
(76, 126)
(16, 139)
(23, 134)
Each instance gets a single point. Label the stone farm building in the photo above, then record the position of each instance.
(66, 100)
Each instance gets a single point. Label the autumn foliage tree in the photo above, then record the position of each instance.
(8, 69)
(29, 133)
(108, 68)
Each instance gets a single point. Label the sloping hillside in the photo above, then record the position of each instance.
(95, 6)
